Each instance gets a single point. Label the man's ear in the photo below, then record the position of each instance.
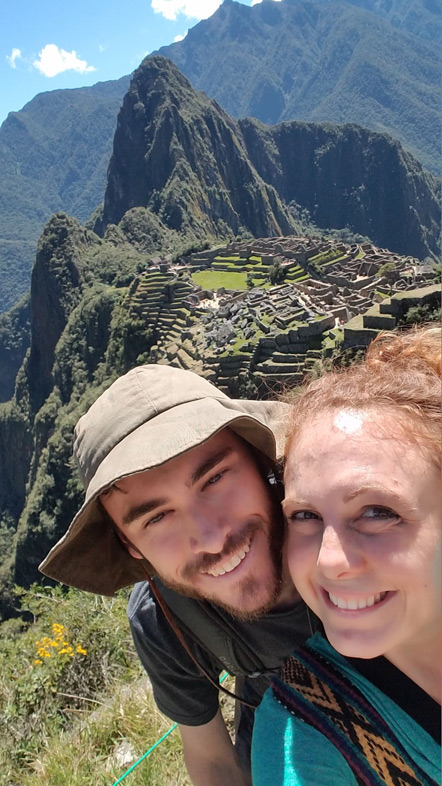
(133, 551)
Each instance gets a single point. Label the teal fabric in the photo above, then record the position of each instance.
(288, 752)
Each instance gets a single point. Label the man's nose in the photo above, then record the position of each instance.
(207, 528)
(339, 555)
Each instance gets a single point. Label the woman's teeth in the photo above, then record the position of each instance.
(231, 564)
(359, 603)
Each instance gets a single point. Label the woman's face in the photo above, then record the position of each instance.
(363, 510)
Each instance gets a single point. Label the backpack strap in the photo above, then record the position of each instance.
(204, 625)
(312, 689)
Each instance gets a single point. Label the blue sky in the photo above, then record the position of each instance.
(52, 44)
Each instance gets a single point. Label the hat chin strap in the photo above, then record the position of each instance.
(173, 624)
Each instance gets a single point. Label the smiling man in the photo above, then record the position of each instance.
(181, 491)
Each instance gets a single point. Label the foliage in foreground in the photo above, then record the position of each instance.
(76, 708)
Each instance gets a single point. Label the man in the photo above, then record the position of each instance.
(179, 485)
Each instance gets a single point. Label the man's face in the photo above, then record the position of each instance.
(208, 524)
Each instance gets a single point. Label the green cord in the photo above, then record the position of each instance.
(158, 742)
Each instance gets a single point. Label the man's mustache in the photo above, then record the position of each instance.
(205, 562)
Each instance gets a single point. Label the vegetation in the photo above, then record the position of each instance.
(418, 314)
(276, 273)
(75, 706)
(384, 270)
(211, 279)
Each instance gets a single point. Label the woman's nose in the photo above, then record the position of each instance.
(338, 554)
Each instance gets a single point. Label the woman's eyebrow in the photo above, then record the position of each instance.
(209, 463)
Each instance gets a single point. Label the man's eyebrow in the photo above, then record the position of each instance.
(140, 510)
(209, 464)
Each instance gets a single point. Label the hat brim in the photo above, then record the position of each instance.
(90, 556)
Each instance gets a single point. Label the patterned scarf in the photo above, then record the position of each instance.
(312, 689)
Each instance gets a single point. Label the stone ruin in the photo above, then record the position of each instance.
(273, 335)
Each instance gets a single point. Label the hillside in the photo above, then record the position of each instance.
(320, 61)
(53, 156)
(179, 156)
(376, 65)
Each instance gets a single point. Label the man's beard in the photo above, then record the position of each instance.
(250, 587)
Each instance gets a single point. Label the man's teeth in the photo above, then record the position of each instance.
(233, 563)
(360, 603)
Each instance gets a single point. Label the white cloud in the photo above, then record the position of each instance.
(194, 9)
(15, 55)
(255, 2)
(179, 38)
(52, 61)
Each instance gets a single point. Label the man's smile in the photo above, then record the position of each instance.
(231, 563)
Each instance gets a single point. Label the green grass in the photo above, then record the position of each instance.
(65, 720)
(229, 259)
(211, 279)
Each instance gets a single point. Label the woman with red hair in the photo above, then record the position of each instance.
(360, 702)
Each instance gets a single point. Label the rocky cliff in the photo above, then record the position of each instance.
(180, 156)
(350, 176)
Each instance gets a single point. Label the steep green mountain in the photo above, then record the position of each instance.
(53, 155)
(375, 65)
(320, 61)
(411, 16)
(180, 156)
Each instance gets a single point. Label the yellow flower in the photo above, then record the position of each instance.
(43, 653)
(66, 651)
(81, 650)
(38, 662)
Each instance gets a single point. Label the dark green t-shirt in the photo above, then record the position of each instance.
(255, 649)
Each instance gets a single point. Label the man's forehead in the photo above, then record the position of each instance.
(217, 447)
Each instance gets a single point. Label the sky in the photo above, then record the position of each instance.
(53, 44)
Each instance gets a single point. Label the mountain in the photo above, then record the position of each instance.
(318, 61)
(53, 155)
(375, 65)
(178, 155)
(419, 18)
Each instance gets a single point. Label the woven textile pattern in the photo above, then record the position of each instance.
(312, 689)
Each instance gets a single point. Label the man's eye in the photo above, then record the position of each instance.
(154, 519)
(214, 479)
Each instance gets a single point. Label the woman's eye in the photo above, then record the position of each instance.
(379, 513)
(304, 518)
(302, 515)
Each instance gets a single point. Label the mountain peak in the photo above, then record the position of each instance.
(180, 155)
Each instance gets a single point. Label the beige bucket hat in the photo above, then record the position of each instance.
(147, 417)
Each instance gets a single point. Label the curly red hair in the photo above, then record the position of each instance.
(401, 375)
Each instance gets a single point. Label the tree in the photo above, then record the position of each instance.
(276, 273)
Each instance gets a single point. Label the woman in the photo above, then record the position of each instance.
(360, 703)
